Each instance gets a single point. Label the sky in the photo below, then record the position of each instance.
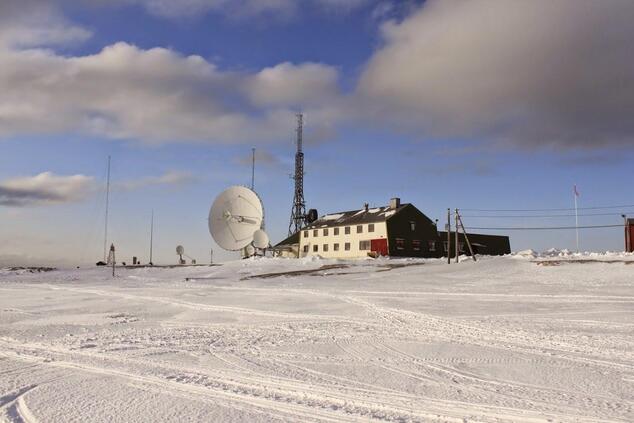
(477, 105)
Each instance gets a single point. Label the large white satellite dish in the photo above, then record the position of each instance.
(235, 216)
(260, 239)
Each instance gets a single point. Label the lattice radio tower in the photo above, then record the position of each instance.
(298, 212)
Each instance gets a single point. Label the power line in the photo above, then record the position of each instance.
(536, 228)
(546, 215)
(545, 210)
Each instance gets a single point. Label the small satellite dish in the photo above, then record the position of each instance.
(234, 217)
(260, 239)
(180, 250)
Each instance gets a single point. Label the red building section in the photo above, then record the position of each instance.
(629, 236)
(379, 246)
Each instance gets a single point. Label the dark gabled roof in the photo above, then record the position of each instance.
(293, 239)
(356, 217)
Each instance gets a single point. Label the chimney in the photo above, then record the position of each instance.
(395, 203)
(366, 206)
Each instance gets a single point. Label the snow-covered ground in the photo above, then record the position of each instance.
(503, 339)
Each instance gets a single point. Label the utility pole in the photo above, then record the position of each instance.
(466, 237)
(628, 241)
(457, 249)
(448, 236)
(112, 257)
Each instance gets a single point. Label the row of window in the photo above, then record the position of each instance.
(335, 247)
(335, 231)
(366, 245)
(416, 244)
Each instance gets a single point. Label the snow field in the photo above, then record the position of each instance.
(503, 339)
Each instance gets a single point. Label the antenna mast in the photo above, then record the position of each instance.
(105, 234)
(151, 235)
(252, 169)
(298, 212)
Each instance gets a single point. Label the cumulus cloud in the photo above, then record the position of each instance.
(528, 73)
(154, 95)
(170, 178)
(45, 188)
(28, 23)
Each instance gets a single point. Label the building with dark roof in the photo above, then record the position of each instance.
(397, 230)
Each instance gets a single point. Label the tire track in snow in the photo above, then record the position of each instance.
(301, 401)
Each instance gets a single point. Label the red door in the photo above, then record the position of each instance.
(379, 246)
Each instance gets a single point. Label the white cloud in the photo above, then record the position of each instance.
(45, 188)
(294, 85)
(28, 23)
(154, 95)
(531, 73)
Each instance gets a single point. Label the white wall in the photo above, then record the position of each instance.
(380, 231)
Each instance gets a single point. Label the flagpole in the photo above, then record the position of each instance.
(575, 194)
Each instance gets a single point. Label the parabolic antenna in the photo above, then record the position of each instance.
(180, 250)
(235, 216)
(260, 239)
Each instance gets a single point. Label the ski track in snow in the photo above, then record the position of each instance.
(498, 340)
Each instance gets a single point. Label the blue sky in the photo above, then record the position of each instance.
(397, 102)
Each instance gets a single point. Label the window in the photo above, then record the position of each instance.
(347, 230)
(336, 231)
(325, 248)
(326, 232)
(364, 245)
(359, 229)
(305, 234)
(412, 226)
(371, 227)
(461, 247)
(346, 246)
(305, 248)
(315, 248)
(431, 245)
(315, 232)
(335, 247)
(416, 244)
(445, 245)
(400, 244)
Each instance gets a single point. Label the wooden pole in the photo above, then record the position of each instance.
(113, 258)
(457, 249)
(448, 236)
(464, 231)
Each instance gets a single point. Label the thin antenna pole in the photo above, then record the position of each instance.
(151, 235)
(575, 194)
(253, 169)
(105, 234)
(457, 249)
(448, 236)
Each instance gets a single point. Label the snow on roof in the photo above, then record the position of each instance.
(332, 216)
